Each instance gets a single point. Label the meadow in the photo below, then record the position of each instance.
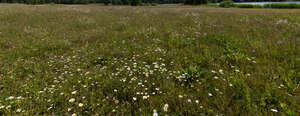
(166, 60)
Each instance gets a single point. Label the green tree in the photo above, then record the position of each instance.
(195, 2)
(106, 2)
(117, 2)
(125, 2)
(136, 2)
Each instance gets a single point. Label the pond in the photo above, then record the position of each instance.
(263, 3)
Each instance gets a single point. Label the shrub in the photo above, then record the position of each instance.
(145, 4)
(136, 2)
(282, 6)
(195, 2)
(107, 2)
(153, 4)
(243, 5)
(258, 6)
(125, 2)
(247, 6)
(149, 4)
(117, 2)
(227, 4)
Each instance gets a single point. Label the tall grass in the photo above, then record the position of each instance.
(121, 60)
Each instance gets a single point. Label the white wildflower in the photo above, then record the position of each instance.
(274, 110)
(180, 96)
(19, 110)
(213, 71)
(8, 107)
(145, 97)
(216, 77)
(10, 98)
(221, 71)
(155, 113)
(197, 101)
(72, 100)
(80, 104)
(134, 98)
(74, 92)
(20, 97)
(166, 106)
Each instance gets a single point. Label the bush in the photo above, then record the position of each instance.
(247, 6)
(136, 2)
(195, 2)
(125, 2)
(243, 5)
(149, 4)
(153, 4)
(282, 6)
(227, 4)
(107, 2)
(145, 4)
(117, 2)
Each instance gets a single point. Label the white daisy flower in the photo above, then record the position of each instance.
(80, 104)
(72, 100)
(166, 106)
(274, 110)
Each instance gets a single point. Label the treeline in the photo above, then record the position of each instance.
(129, 2)
(46, 1)
(195, 2)
(261, 0)
(123, 2)
(112, 2)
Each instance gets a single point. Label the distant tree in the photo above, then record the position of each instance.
(117, 2)
(41, 2)
(82, 2)
(136, 2)
(195, 2)
(106, 2)
(125, 2)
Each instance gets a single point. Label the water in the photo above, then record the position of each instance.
(263, 3)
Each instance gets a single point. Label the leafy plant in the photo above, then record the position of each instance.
(226, 4)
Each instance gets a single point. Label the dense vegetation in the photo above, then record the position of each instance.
(195, 2)
(274, 5)
(230, 4)
(127, 2)
(114, 2)
(119, 60)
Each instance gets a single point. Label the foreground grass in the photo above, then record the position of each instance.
(96, 60)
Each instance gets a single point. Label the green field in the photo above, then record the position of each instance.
(121, 60)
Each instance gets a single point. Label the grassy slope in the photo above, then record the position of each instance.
(111, 55)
